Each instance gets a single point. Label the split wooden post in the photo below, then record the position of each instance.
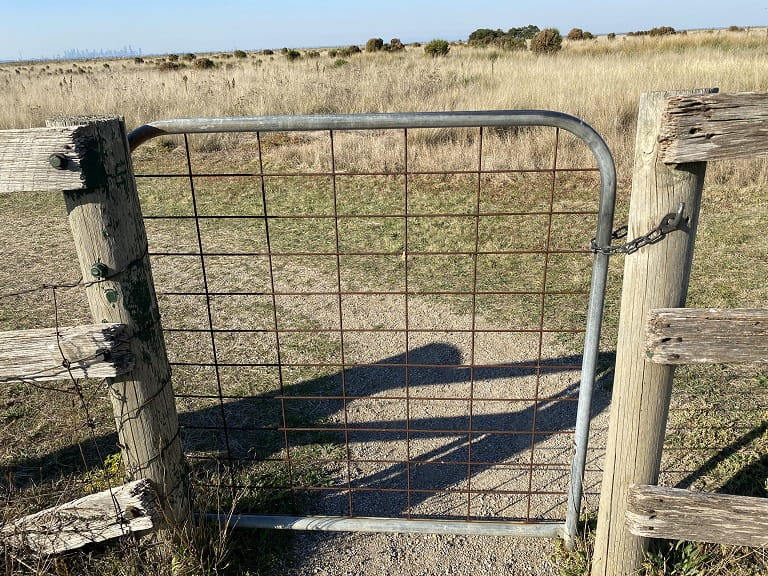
(654, 277)
(106, 222)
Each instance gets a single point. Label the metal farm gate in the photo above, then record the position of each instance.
(383, 322)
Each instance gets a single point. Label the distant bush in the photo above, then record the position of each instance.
(239, 54)
(333, 53)
(612, 36)
(292, 55)
(394, 45)
(172, 57)
(660, 31)
(138, 60)
(204, 63)
(349, 50)
(374, 45)
(189, 56)
(547, 41)
(165, 66)
(267, 52)
(437, 48)
(735, 29)
(339, 62)
(507, 40)
(579, 34)
(312, 54)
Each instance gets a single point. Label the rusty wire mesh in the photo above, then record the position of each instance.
(381, 339)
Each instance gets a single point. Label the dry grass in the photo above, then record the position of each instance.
(599, 81)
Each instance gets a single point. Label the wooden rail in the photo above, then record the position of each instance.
(659, 512)
(712, 336)
(94, 351)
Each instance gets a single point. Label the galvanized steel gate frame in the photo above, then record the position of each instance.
(472, 119)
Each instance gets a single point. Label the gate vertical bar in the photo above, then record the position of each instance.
(655, 277)
(111, 241)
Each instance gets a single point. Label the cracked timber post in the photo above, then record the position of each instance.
(654, 277)
(106, 222)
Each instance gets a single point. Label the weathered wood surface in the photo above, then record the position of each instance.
(25, 164)
(93, 351)
(699, 128)
(654, 277)
(108, 229)
(126, 509)
(692, 335)
(659, 512)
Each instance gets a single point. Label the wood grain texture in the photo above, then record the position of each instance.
(25, 165)
(108, 229)
(709, 335)
(93, 351)
(659, 512)
(700, 128)
(126, 509)
(654, 277)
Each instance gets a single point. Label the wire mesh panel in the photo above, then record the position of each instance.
(383, 316)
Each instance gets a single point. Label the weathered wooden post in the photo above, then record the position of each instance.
(654, 277)
(106, 222)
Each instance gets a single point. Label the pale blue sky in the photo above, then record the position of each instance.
(43, 28)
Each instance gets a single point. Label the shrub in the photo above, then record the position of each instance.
(333, 53)
(509, 43)
(339, 62)
(203, 63)
(575, 34)
(173, 57)
(374, 45)
(267, 52)
(239, 54)
(138, 60)
(612, 36)
(293, 55)
(394, 45)
(735, 29)
(190, 56)
(312, 54)
(547, 41)
(347, 52)
(437, 48)
(165, 66)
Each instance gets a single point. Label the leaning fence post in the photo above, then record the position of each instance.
(111, 243)
(654, 277)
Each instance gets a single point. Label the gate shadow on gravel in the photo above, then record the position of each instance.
(399, 462)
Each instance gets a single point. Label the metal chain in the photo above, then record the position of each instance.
(671, 222)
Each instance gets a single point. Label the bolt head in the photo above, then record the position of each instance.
(58, 161)
(99, 270)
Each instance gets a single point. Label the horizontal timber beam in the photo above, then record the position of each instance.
(126, 509)
(92, 351)
(660, 512)
(64, 157)
(704, 127)
(707, 336)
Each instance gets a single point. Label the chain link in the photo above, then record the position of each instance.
(671, 222)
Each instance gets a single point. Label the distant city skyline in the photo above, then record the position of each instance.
(42, 29)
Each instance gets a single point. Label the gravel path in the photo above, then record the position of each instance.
(348, 554)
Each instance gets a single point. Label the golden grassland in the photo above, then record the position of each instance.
(599, 81)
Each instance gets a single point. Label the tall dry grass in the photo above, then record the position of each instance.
(599, 81)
